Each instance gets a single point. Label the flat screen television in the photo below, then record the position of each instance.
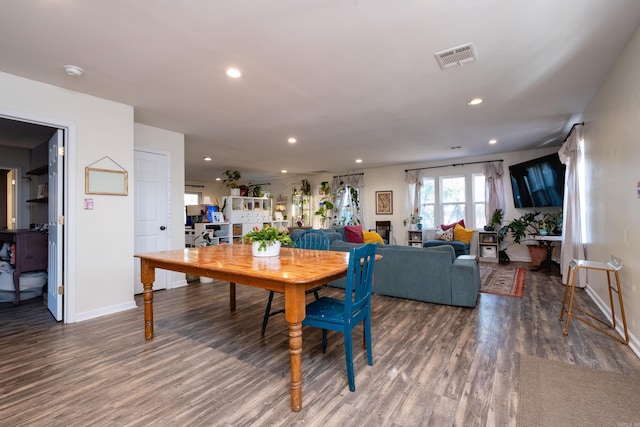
(538, 183)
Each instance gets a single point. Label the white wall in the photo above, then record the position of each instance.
(612, 154)
(102, 271)
(172, 143)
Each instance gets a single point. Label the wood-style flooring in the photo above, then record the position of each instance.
(433, 365)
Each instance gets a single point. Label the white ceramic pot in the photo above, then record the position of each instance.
(271, 250)
(205, 279)
(235, 191)
(413, 227)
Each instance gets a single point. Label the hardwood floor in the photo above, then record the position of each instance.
(433, 365)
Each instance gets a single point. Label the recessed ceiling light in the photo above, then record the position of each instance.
(475, 101)
(283, 171)
(73, 70)
(218, 179)
(292, 140)
(234, 73)
(207, 159)
(492, 141)
(358, 160)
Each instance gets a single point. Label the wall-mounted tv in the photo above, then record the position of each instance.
(538, 183)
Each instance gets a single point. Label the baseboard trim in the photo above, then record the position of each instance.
(104, 311)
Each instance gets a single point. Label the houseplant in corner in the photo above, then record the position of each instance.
(266, 241)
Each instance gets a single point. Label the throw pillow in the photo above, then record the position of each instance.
(446, 235)
(372, 237)
(462, 234)
(353, 233)
(448, 226)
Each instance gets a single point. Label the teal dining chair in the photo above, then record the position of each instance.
(343, 315)
(308, 239)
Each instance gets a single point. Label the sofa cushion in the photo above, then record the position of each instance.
(460, 248)
(448, 226)
(372, 237)
(462, 234)
(446, 235)
(353, 233)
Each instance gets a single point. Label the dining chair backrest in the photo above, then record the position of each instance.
(313, 239)
(357, 294)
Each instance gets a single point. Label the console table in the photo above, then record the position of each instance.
(31, 253)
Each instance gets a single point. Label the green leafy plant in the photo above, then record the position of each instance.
(268, 235)
(414, 218)
(496, 220)
(529, 223)
(326, 204)
(232, 178)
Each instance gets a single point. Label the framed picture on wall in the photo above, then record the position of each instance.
(384, 202)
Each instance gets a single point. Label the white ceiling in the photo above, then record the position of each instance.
(349, 79)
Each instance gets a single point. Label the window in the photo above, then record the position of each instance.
(191, 198)
(349, 206)
(428, 203)
(479, 215)
(453, 197)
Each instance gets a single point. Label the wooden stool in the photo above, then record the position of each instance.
(613, 266)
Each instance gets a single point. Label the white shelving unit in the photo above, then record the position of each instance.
(245, 213)
(488, 246)
(219, 232)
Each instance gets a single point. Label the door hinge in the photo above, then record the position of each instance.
(61, 220)
(60, 151)
(60, 290)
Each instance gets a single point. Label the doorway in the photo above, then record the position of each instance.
(25, 141)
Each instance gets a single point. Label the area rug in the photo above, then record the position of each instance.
(553, 393)
(500, 279)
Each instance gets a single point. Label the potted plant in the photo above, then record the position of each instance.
(231, 181)
(519, 228)
(266, 241)
(414, 221)
(496, 220)
(325, 204)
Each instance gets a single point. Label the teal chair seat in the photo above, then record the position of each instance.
(343, 315)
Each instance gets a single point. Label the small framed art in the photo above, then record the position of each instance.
(384, 202)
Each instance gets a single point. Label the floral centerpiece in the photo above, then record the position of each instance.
(266, 241)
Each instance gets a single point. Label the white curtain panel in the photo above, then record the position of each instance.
(493, 189)
(572, 245)
(413, 179)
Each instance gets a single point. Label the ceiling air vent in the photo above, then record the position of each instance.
(456, 56)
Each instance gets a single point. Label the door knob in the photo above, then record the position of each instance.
(162, 227)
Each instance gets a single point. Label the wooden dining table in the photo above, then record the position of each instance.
(292, 273)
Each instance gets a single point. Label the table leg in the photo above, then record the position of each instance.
(147, 276)
(232, 296)
(294, 311)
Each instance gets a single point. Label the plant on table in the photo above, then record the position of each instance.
(232, 178)
(267, 235)
(414, 218)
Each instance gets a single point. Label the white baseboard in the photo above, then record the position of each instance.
(634, 343)
(105, 311)
(178, 284)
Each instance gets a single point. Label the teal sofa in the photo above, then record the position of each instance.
(432, 274)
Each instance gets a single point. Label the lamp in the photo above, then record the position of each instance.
(207, 201)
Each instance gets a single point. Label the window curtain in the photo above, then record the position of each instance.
(493, 189)
(572, 245)
(414, 182)
(339, 188)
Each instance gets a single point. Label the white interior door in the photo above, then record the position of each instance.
(56, 224)
(151, 211)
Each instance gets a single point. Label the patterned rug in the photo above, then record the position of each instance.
(500, 279)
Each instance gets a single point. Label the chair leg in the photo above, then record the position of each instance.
(348, 355)
(324, 341)
(315, 294)
(267, 312)
(367, 338)
(566, 289)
